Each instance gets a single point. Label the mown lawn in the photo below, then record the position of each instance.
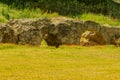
(64, 63)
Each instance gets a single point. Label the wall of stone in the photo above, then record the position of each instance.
(55, 31)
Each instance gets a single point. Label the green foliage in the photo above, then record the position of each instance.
(98, 18)
(65, 7)
(62, 6)
(37, 13)
(114, 10)
(13, 13)
(95, 6)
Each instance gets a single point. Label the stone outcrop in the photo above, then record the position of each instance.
(106, 31)
(6, 34)
(58, 31)
(91, 38)
(109, 32)
(91, 25)
(64, 31)
(28, 31)
(116, 40)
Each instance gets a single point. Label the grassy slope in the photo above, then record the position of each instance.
(26, 13)
(99, 18)
(37, 13)
(64, 63)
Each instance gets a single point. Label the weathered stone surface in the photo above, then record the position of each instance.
(52, 40)
(57, 31)
(64, 31)
(42, 24)
(116, 40)
(68, 31)
(91, 25)
(6, 34)
(28, 31)
(108, 32)
(91, 38)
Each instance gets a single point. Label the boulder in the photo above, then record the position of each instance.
(6, 34)
(52, 40)
(91, 38)
(91, 25)
(115, 40)
(108, 32)
(57, 31)
(28, 31)
(64, 31)
(42, 24)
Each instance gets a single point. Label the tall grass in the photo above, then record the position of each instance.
(98, 18)
(114, 8)
(13, 13)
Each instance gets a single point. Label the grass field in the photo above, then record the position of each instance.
(65, 63)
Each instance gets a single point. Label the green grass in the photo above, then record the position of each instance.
(14, 13)
(64, 63)
(99, 18)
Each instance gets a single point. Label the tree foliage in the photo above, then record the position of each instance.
(65, 7)
(114, 9)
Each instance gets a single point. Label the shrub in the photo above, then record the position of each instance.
(65, 7)
(114, 10)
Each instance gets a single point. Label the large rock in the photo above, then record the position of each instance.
(91, 38)
(108, 32)
(29, 31)
(116, 40)
(6, 34)
(52, 40)
(57, 31)
(43, 24)
(91, 25)
(64, 31)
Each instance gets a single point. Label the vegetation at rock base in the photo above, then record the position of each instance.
(67, 62)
